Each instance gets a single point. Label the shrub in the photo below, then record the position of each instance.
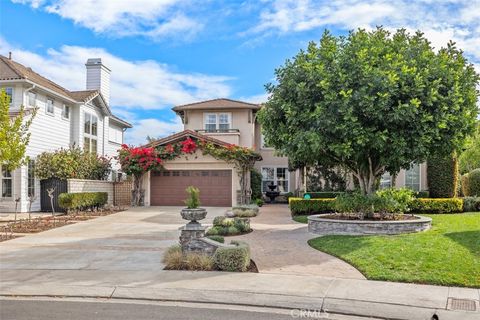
(258, 202)
(229, 226)
(242, 224)
(442, 176)
(193, 199)
(421, 194)
(217, 238)
(464, 183)
(232, 230)
(473, 184)
(401, 198)
(256, 184)
(174, 259)
(215, 230)
(198, 262)
(299, 206)
(82, 200)
(437, 205)
(71, 163)
(246, 211)
(357, 203)
(471, 204)
(234, 259)
(324, 194)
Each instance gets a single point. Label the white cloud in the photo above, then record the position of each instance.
(151, 127)
(441, 21)
(145, 84)
(258, 98)
(152, 18)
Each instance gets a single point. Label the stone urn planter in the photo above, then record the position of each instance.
(193, 229)
(194, 215)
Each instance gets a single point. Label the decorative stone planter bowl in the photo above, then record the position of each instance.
(325, 226)
(193, 214)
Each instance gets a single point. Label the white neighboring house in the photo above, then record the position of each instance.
(64, 118)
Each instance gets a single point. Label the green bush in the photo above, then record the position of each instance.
(72, 163)
(246, 211)
(437, 205)
(442, 176)
(324, 194)
(82, 200)
(299, 206)
(256, 184)
(229, 226)
(422, 194)
(258, 202)
(472, 188)
(471, 204)
(234, 259)
(174, 259)
(193, 199)
(217, 238)
(400, 198)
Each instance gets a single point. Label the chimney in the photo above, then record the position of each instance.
(98, 77)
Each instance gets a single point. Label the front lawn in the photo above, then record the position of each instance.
(448, 254)
(301, 219)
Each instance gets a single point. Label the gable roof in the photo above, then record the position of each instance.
(185, 134)
(12, 70)
(220, 103)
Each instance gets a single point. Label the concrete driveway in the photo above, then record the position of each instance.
(130, 240)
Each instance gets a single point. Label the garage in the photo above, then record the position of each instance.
(167, 188)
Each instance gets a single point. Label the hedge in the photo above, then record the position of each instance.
(471, 204)
(438, 205)
(324, 194)
(82, 200)
(233, 258)
(442, 176)
(299, 206)
(472, 183)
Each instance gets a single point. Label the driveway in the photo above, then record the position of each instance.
(279, 245)
(130, 240)
(135, 240)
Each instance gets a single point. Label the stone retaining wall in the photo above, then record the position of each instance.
(322, 226)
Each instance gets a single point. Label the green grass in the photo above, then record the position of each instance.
(301, 219)
(448, 254)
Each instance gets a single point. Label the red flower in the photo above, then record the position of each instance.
(124, 146)
(169, 148)
(189, 146)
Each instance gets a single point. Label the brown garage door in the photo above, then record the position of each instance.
(167, 188)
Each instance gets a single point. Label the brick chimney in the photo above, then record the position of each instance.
(98, 77)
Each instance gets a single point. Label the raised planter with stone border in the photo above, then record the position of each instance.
(327, 226)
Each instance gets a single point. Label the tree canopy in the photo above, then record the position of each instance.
(469, 159)
(371, 102)
(14, 135)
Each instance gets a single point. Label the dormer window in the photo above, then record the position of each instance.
(218, 122)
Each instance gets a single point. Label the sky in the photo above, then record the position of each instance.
(164, 53)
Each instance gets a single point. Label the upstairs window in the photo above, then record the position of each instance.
(9, 92)
(218, 122)
(32, 99)
(50, 108)
(66, 112)
(90, 133)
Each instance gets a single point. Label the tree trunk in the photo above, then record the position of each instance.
(137, 185)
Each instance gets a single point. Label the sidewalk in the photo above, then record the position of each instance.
(344, 296)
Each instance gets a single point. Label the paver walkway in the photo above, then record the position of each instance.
(279, 245)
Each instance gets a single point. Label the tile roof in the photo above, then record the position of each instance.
(220, 103)
(183, 134)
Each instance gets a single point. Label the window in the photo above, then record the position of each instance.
(276, 176)
(7, 185)
(90, 133)
(50, 108)
(263, 143)
(412, 177)
(218, 122)
(31, 178)
(385, 180)
(32, 99)
(66, 112)
(115, 135)
(9, 91)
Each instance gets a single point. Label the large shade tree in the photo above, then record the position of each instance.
(371, 102)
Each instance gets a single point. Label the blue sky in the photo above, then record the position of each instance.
(168, 52)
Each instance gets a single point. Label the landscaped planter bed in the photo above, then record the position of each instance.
(323, 224)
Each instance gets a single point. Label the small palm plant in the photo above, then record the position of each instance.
(193, 200)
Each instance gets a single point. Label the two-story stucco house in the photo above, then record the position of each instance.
(226, 121)
(64, 118)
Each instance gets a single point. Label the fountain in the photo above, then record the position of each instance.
(272, 193)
